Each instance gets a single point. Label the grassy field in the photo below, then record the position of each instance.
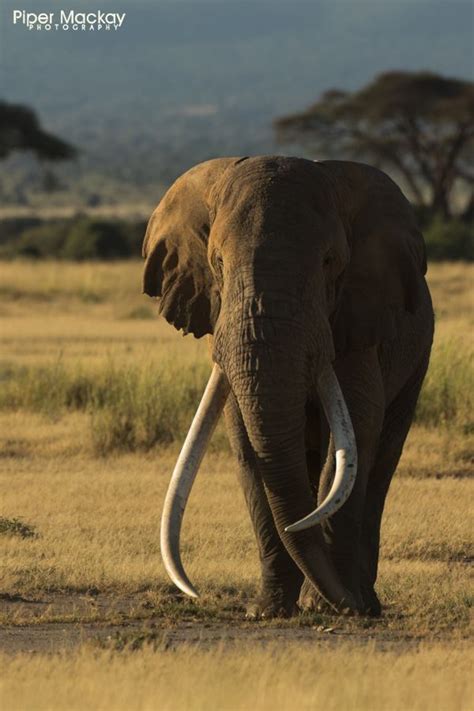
(291, 676)
(95, 397)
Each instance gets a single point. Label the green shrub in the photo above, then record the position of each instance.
(89, 239)
(42, 241)
(12, 228)
(78, 239)
(449, 240)
(84, 238)
(15, 527)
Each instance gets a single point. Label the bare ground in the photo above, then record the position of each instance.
(56, 622)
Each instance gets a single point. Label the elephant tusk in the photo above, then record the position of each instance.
(184, 473)
(340, 424)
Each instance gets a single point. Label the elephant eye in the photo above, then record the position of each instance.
(218, 265)
(328, 259)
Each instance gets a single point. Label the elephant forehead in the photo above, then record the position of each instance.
(267, 227)
(274, 188)
(259, 183)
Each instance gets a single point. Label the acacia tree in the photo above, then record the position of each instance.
(20, 130)
(420, 125)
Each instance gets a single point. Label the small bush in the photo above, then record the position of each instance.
(147, 407)
(41, 241)
(449, 240)
(140, 313)
(11, 228)
(15, 527)
(89, 239)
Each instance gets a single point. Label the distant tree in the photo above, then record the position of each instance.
(419, 124)
(20, 130)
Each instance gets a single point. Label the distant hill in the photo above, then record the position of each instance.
(186, 80)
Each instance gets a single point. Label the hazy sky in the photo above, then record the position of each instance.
(186, 79)
(214, 50)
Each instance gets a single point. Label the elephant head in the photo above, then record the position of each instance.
(285, 262)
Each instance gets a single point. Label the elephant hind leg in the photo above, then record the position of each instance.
(397, 422)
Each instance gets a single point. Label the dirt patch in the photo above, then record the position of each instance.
(62, 622)
(90, 605)
(60, 637)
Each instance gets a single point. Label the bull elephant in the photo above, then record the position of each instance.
(309, 278)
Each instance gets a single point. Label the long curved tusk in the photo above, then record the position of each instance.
(340, 424)
(184, 473)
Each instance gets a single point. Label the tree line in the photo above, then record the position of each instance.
(418, 126)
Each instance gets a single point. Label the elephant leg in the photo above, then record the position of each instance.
(361, 381)
(281, 577)
(309, 598)
(397, 422)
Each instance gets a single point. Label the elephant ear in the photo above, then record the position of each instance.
(384, 279)
(175, 248)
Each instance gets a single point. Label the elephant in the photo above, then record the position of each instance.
(309, 279)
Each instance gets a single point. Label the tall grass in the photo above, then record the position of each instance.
(447, 395)
(274, 677)
(131, 407)
(148, 407)
(136, 407)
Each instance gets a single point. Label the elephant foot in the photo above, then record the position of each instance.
(275, 600)
(372, 605)
(270, 608)
(310, 600)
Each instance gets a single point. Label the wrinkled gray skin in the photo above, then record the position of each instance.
(290, 264)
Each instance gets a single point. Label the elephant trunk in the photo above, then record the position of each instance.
(271, 392)
(269, 381)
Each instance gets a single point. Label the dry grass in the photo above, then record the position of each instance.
(244, 677)
(137, 379)
(70, 334)
(98, 523)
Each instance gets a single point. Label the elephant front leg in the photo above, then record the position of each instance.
(280, 577)
(309, 598)
(361, 382)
